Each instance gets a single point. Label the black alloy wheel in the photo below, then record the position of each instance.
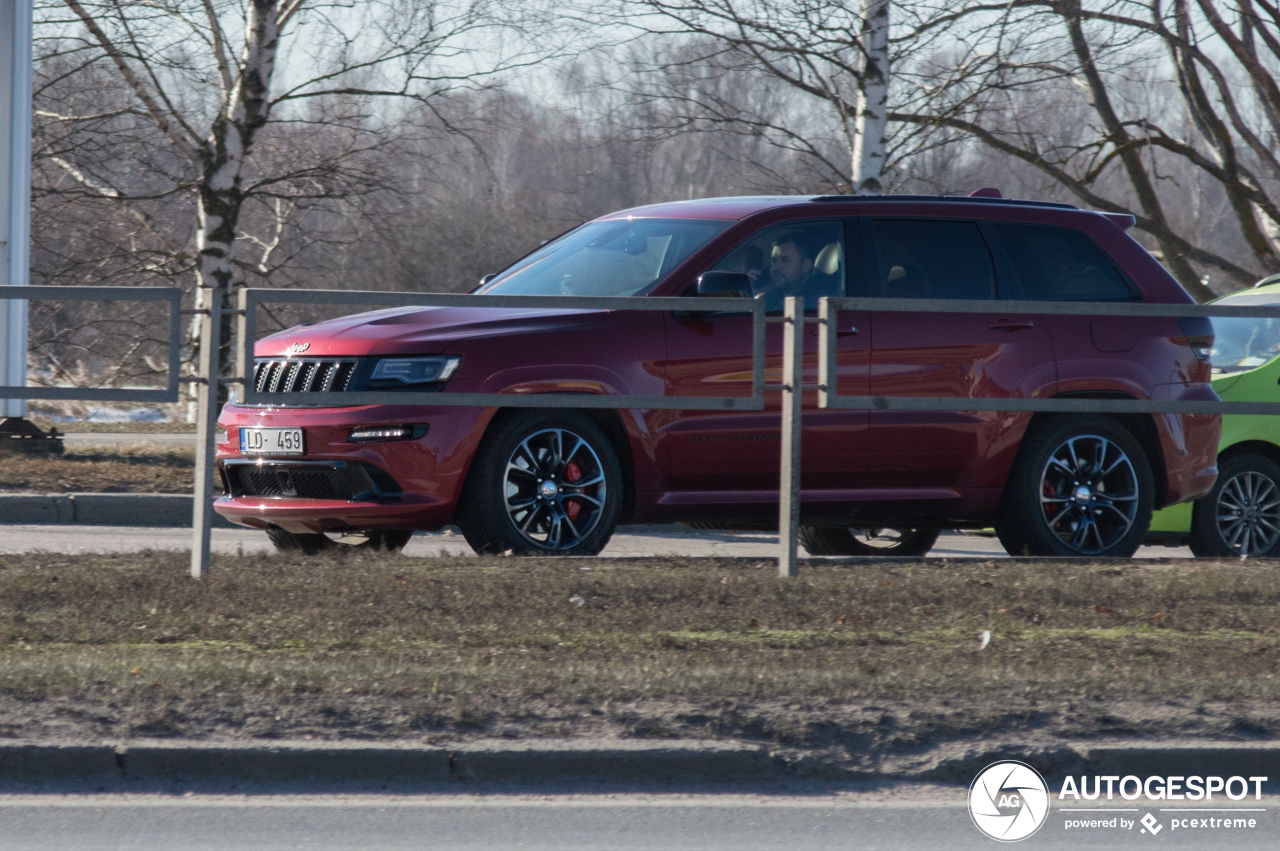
(1240, 517)
(1081, 486)
(840, 541)
(542, 483)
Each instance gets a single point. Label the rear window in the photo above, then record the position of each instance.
(1060, 264)
(917, 258)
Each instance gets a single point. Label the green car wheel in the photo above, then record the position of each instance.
(1240, 517)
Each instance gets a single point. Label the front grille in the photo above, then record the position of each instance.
(292, 375)
(319, 483)
(337, 480)
(260, 481)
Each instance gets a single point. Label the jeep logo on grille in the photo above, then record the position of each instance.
(297, 348)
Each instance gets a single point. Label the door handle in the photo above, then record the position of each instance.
(851, 331)
(1010, 325)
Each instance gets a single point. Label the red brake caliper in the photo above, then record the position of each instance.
(572, 473)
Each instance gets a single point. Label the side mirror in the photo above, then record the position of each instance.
(724, 285)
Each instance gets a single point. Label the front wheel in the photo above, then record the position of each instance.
(1081, 486)
(839, 541)
(1240, 517)
(542, 483)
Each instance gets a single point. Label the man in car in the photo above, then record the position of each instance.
(790, 267)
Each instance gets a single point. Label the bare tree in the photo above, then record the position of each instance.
(1172, 88)
(827, 49)
(241, 119)
(1125, 105)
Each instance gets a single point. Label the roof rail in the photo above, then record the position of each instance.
(953, 199)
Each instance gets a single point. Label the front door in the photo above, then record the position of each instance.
(981, 355)
(726, 458)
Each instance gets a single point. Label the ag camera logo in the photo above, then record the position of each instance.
(1008, 801)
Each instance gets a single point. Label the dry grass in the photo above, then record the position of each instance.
(86, 427)
(869, 657)
(133, 468)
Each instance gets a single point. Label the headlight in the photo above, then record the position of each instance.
(416, 370)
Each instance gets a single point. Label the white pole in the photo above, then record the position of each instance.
(15, 192)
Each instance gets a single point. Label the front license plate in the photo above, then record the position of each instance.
(271, 441)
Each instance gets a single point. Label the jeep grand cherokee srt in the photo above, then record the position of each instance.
(560, 481)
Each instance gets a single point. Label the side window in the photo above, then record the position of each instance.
(794, 259)
(1060, 264)
(918, 258)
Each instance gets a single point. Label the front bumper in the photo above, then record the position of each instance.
(337, 485)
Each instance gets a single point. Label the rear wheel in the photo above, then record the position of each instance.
(391, 541)
(1081, 486)
(542, 483)
(1240, 517)
(839, 541)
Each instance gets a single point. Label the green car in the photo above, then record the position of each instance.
(1241, 515)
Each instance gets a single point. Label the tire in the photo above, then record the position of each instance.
(391, 541)
(840, 541)
(1240, 517)
(542, 483)
(1056, 503)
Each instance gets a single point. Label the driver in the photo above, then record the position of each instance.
(790, 266)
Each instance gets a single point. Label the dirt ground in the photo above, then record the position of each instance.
(87, 427)
(130, 468)
(862, 661)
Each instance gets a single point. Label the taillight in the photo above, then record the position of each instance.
(1199, 333)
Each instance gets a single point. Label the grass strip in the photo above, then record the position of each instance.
(871, 656)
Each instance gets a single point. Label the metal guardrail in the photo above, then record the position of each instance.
(251, 298)
(828, 309)
(172, 295)
(791, 386)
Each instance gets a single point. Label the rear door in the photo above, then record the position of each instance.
(1055, 263)
(992, 354)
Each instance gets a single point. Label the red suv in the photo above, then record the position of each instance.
(560, 481)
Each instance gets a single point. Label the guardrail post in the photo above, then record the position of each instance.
(206, 433)
(792, 401)
(827, 372)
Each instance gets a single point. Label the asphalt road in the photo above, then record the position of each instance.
(769, 822)
(658, 540)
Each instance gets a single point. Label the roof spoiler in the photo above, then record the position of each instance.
(1124, 221)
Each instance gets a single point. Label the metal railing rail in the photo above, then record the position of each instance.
(172, 295)
(791, 385)
(250, 299)
(828, 309)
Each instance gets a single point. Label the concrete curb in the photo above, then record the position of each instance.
(616, 762)
(101, 509)
(1142, 759)
(623, 761)
(294, 761)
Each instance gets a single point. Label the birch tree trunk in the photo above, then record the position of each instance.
(224, 152)
(221, 192)
(873, 99)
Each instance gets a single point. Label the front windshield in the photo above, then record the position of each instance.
(622, 257)
(1244, 343)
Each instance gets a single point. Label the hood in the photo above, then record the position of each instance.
(417, 330)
